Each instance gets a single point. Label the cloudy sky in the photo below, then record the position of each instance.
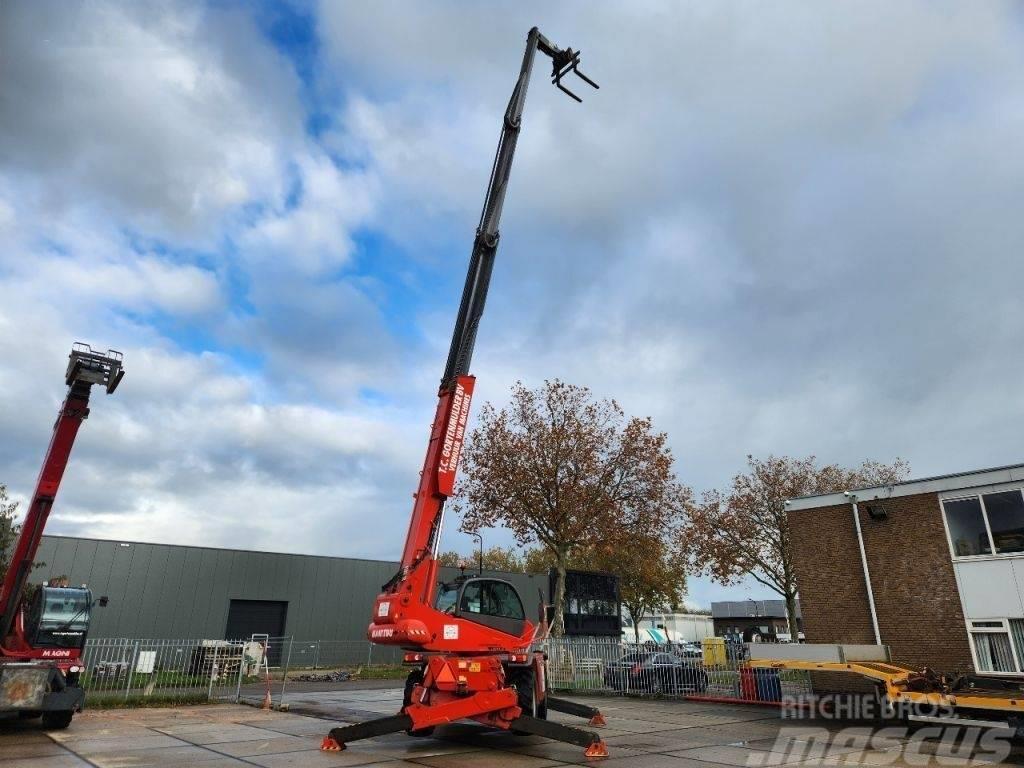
(790, 227)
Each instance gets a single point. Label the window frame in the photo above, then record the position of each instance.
(480, 584)
(988, 523)
(1002, 629)
(979, 494)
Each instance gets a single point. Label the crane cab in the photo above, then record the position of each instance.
(494, 603)
(58, 617)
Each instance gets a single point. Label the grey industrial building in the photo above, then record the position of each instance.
(169, 591)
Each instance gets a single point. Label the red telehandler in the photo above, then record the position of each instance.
(41, 643)
(472, 648)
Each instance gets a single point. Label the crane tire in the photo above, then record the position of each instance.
(415, 678)
(57, 719)
(526, 694)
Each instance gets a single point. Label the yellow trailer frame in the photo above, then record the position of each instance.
(899, 685)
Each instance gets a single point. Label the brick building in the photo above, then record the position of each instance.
(933, 568)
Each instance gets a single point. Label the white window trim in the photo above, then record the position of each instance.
(1003, 628)
(979, 494)
(993, 552)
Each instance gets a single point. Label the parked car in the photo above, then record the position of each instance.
(690, 651)
(656, 672)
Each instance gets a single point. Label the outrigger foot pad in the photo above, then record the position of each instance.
(339, 737)
(597, 749)
(580, 710)
(589, 740)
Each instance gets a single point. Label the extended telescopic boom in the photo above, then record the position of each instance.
(470, 642)
(438, 476)
(486, 243)
(85, 368)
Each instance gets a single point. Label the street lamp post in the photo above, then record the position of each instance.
(480, 557)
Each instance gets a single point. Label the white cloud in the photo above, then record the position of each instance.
(315, 234)
(778, 228)
(165, 114)
(159, 195)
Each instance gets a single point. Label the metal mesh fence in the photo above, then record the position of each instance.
(608, 666)
(325, 654)
(174, 670)
(181, 671)
(189, 670)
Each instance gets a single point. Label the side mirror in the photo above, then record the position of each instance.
(103, 601)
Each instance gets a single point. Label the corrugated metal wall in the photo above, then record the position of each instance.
(167, 591)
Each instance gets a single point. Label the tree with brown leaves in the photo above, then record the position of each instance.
(495, 559)
(9, 529)
(744, 530)
(558, 467)
(652, 574)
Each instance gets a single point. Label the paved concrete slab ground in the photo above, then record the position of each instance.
(640, 734)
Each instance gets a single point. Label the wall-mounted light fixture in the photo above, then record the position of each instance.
(877, 512)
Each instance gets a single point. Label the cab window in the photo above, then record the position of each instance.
(447, 594)
(65, 609)
(58, 617)
(491, 598)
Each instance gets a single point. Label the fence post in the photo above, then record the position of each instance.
(131, 668)
(316, 655)
(213, 674)
(241, 666)
(287, 663)
(369, 654)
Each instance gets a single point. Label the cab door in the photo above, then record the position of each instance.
(493, 603)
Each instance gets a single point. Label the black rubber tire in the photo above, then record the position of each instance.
(57, 719)
(526, 695)
(415, 678)
(526, 692)
(542, 707)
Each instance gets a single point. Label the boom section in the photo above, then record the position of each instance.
(485, 244)
(404, 612)
(455, 394)
(85, 369)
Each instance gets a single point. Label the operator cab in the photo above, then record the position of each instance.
(491, 602)
(58, 617)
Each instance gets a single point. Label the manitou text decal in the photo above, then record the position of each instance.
(454, 434)
(382, 632)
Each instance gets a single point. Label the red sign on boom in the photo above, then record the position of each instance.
(454, 434)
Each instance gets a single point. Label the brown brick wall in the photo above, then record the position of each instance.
(919, 612)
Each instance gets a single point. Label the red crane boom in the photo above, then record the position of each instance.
(54, 626)
(470, 642)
